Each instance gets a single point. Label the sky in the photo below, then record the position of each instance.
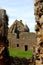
(21, 10)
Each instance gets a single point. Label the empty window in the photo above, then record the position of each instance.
(17, 34)
(17, 45)
(26, 47)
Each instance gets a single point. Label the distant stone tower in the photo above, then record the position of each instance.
(4, 54)
(38, 12)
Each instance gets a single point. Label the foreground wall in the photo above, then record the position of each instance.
(38, 12)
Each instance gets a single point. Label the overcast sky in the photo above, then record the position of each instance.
(21, 10)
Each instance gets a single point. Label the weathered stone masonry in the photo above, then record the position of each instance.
(38, 12)
(26, 39)
(4, 54)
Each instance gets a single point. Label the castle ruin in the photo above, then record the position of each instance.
(21, 37)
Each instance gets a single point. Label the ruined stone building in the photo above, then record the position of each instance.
(20, 37)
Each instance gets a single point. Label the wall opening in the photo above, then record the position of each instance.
(17, 34)
(26, 47)
(17, 45)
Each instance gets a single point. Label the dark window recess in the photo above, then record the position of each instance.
(18, 34)
(26, 47)
(17, 31)
(17, 45)
(16, 28)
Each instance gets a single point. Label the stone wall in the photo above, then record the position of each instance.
(20, 37)
(25, 39)
(38, 12)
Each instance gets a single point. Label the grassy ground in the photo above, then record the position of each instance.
(20, 53)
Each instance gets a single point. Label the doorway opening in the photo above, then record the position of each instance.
(26, 47)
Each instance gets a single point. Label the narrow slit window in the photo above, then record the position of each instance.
(17, 45)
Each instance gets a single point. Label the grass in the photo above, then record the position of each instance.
(20, 53)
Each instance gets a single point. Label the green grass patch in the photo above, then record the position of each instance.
(20, 53)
